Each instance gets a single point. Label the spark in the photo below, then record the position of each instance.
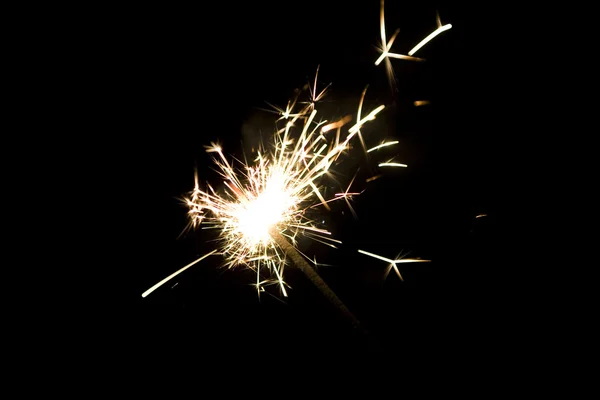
(481, 216)
(433, 34)
(383, 145)
(168, 278)
(393, 263)
(403, 57)
(391, 164)
(285, 114)
(419, 103)
(347, 194)
(386, 45)
(373, 178)
(370, 117)
(314, 96)
(337, 124)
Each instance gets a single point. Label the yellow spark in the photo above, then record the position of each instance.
(383, 145)
(429, 37)
(385, 52)
(287, 113)
(392, 165)
(373, 178)
(403, 57)
(410, 260)
(382, 25)
(385, 45)
(168, 278)
(481, 216)
(392, 263)
(214, 147)
(419, 103)
(314, 97)
(376, 256)
(346, 195)
(337, 124)
(360, 123)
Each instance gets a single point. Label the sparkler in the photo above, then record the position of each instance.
(263, 207)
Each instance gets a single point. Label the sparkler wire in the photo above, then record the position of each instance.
(311, 274)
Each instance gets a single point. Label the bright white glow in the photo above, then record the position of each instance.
(253, 219)
(429, 37)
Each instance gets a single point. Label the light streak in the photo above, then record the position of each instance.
(390, 164)
(419, 103)
(383, 145)
(393, 263)
(433, 34)
(173, 275)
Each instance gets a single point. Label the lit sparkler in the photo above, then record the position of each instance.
(419, 103)
(264, 206)
(275, 194)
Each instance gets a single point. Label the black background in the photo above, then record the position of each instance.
(173, 79)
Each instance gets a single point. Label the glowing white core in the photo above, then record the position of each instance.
(269, 208)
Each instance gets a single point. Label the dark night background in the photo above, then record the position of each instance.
(173, 79)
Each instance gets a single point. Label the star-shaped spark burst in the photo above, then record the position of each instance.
(278, 195)
(393, 263)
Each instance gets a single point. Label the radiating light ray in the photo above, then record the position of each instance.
(319, 239)
(391, 164)
(356, 127)
(385, 144)
(392, 263)
(168, 278)
(285, 114)
(323, 237)
(314, 96)
(403, 57)
(371, 179)
(376, 256)
(433, 34)
(382, 25)
(337, 124)
(386, 46)
(314, 261)
(347, 194)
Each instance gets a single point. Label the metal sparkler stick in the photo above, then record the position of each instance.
(303, 266)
